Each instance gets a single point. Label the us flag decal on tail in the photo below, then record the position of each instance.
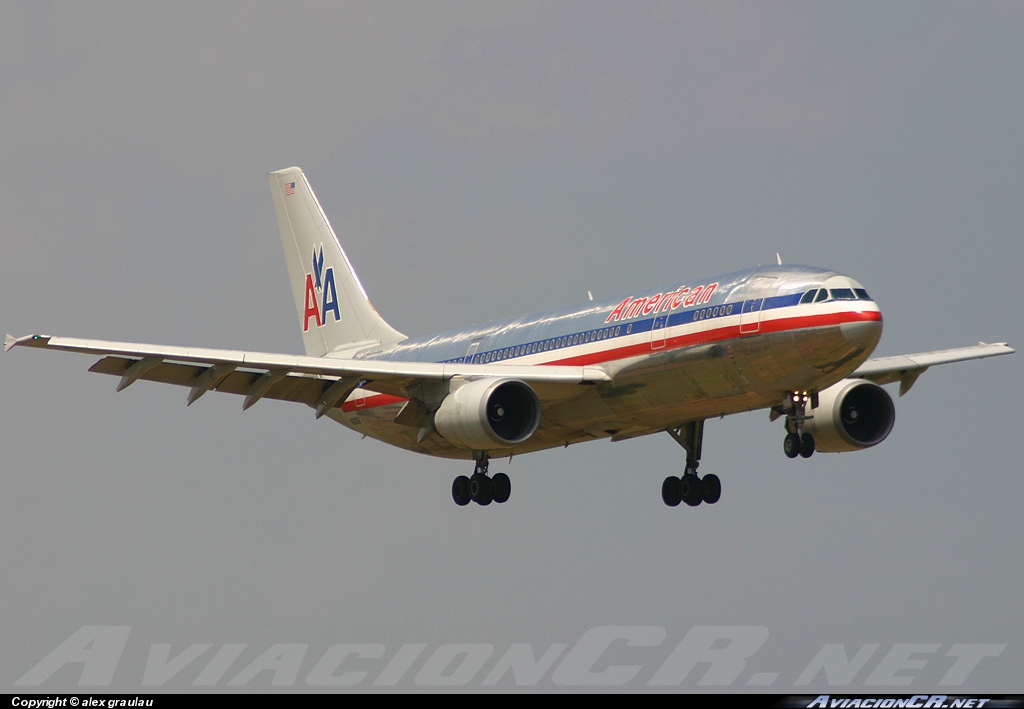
(289, 188)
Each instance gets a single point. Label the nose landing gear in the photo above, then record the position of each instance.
(797, 443)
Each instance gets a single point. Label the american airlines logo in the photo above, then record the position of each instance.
(321, 294)
(660, 302)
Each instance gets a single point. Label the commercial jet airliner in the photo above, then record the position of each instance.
(791, 339)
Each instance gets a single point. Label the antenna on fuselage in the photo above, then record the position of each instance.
(590, 295)
(778, 259)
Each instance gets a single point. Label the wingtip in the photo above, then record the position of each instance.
(1004, 345)
(12, 341)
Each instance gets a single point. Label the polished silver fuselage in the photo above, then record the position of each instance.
(741, 344)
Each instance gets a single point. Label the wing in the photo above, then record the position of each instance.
(320, 382)
(905, 369)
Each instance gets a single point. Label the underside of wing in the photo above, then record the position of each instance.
(905, 369)
(320, 382)
(297, 387)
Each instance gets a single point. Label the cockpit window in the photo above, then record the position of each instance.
(816, 295)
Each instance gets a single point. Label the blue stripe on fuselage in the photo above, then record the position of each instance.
(569, 327)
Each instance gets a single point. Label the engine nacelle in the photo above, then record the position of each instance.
(852, 414)
(489, 413)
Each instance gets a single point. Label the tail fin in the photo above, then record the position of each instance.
(334, 312)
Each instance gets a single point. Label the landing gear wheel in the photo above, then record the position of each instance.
(691, 489)
(806, 445)
(501, 487)
(791, 445)
(480, 489)
(670, 493)
(712, 488)
(460, 491)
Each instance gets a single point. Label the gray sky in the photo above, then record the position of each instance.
(480, 160)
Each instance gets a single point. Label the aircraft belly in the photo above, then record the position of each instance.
(717, 379)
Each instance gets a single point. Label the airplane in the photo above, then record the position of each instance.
(794, 340)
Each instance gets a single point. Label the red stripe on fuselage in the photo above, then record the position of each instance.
(729, 332)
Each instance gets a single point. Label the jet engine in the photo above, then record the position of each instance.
(851, 415)
(489, 413)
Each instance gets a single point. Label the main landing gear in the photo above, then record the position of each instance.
(479, 488)
(796, 442)
(690, 488)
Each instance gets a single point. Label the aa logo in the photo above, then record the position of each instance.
(321, 295)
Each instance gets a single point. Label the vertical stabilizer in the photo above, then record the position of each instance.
(334, 311)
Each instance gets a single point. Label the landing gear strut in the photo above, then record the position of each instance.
(797, 443)
(480, 488)
(690, 488)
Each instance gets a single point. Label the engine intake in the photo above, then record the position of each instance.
(851, 415)
(489, 413)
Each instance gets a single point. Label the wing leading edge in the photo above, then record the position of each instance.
(905, 369)
(320, 382)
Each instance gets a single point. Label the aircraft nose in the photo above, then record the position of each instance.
(864, 334)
